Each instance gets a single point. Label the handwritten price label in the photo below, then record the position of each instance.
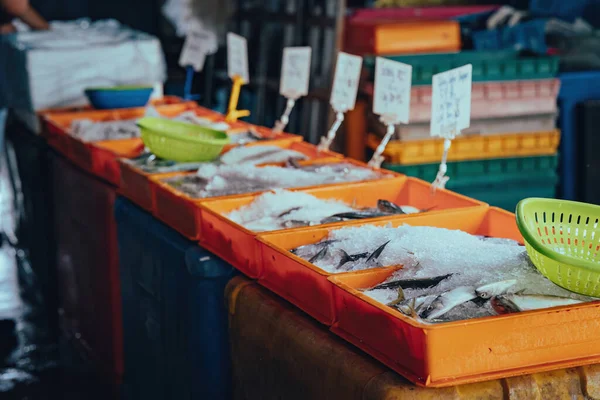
(237, 57)
(345, 82)
(295, 72)
(451, 102)
(392, 91)
(197, 45)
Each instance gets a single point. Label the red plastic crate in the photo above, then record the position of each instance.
(461, 352)
(238, 246)
(88, 265)
(415, 13)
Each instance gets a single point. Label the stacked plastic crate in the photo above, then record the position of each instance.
(510, 150)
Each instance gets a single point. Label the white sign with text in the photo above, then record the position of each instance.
(391, 97)
(295, 72)
(345, 82)
(237, 57)
(451, 102)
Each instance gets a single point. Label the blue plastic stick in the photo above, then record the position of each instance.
(187, 88)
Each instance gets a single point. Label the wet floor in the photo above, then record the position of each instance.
(34, 364)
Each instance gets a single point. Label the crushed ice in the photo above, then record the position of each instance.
(221, 180)
(428, 252)
(93, 131)
(284, 209)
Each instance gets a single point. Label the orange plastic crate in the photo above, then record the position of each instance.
(404, 37)
(136, 184)
(468, 351)
(525, 144)
(306, 286)
(57, 126)
(105, 156)
(182, 213)
(237, 245)
(53, 132)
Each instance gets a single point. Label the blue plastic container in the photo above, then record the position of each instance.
(176, 342)
(530, 35)
(568, 10)
(575, 88)
(119, 97)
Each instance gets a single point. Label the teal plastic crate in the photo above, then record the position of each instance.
(500, 182)
(480, 172)
(505, 65)
(508, 195)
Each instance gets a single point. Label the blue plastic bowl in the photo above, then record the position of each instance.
(119, 97)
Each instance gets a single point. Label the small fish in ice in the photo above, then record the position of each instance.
(412, 307)
(512, 303)
(346, 258)
(422, 283)
(362, 214)
(495, 289)
(375, 255)
(401, 298)
(260, 155)
(447, 301)
(321, 254)
(309, 250)
(227, 179)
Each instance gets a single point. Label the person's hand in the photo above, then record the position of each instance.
(22, 9)
(7, 28)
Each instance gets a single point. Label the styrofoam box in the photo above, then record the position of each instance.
(51, 69)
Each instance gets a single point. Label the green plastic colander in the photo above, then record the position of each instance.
(563, 241)
(180, 141)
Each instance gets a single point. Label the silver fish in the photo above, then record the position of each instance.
(387, 206)
(320, 255)
(291, 210)
(495, 289)
(346, 258)
(309, 250)
(447, 301)
(375, 255)
(419, 283)
(412, 307)
(362, 214)
(511, 303)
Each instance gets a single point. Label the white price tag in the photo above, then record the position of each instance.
(295, 72)
(198, 43)
(451, 102)
(345, 82)
(392, 91)
(237, 57)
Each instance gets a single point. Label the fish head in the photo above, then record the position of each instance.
(433, 309)
(504, 305)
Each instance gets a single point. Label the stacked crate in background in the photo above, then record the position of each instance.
(510, 150)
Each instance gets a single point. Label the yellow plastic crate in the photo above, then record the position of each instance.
(470, 147)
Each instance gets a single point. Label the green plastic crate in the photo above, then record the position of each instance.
(507, 195)
(505, 65)
(479, 172)
(500, 182)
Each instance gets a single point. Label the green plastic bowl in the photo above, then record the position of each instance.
(180, 141)
(563, 241)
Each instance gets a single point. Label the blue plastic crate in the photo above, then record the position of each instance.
(575, 88)
(529, 35)
(174, 320)
(568, 10)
